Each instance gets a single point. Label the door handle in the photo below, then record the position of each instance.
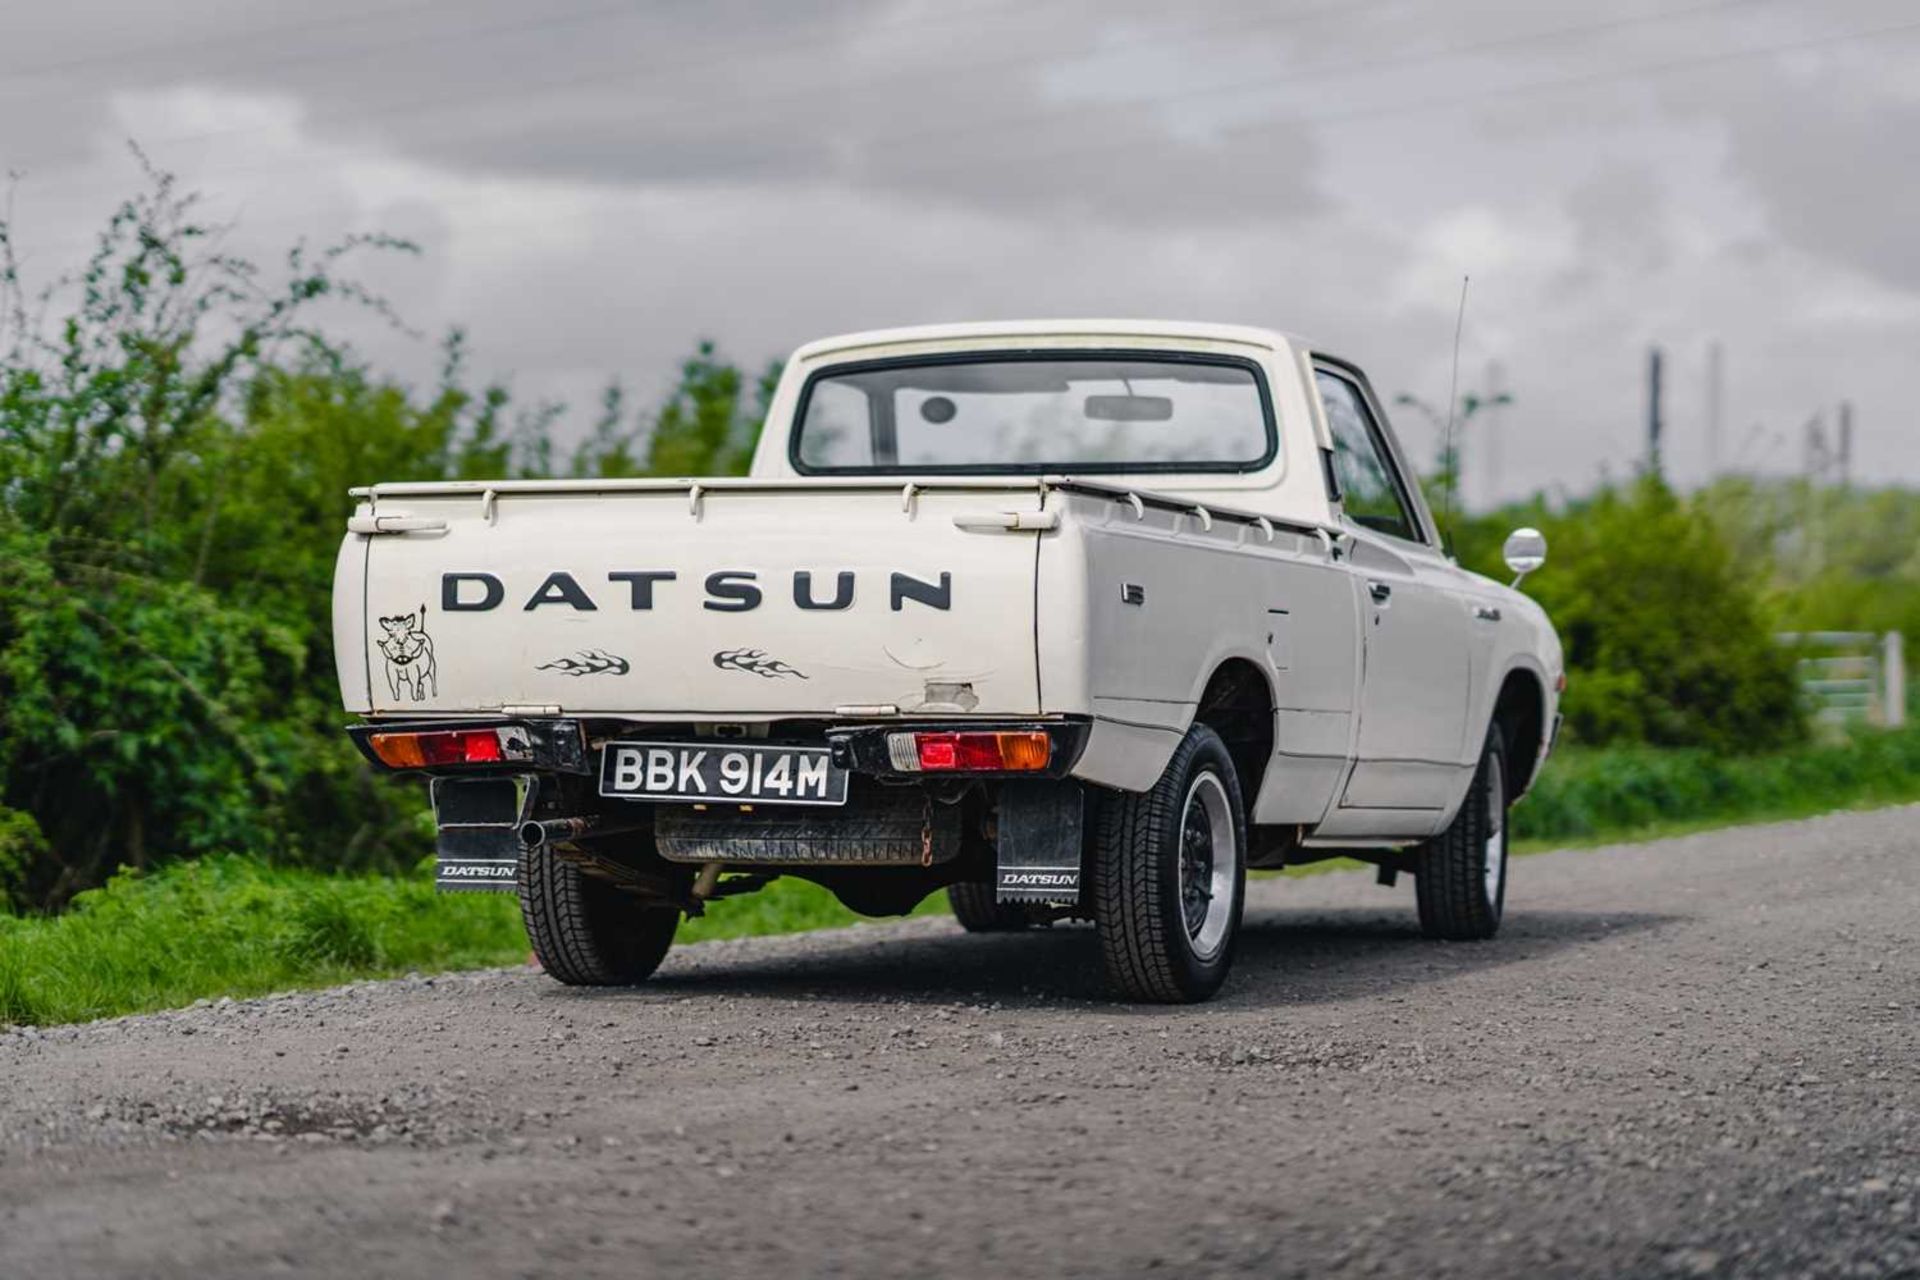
(1380, 591)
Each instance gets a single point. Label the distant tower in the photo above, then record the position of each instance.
(1815, 457)
(1716, 374)
(1846, 443)
(1654, 424)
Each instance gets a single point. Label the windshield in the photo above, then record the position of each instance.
(1097, 412)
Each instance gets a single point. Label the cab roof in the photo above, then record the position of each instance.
(997, 332)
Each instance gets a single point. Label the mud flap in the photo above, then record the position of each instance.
(1037, 857)
(479, 844)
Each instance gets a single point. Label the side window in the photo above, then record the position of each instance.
(1371, 490)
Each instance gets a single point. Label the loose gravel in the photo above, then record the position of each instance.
(1692, 1058)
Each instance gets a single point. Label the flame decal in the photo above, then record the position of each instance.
(757, 662)
(589, 662)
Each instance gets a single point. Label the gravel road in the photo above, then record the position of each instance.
(1699, 1057)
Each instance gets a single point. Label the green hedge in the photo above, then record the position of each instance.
(1587, 793)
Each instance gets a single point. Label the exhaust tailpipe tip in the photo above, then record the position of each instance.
(555, 830)
(543, 831)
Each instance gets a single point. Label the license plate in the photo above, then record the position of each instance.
(709, 771)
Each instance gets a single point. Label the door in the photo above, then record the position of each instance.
(1415, 676)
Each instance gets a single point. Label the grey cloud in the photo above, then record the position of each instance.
(938, 104)
(1839, 174)
(1619, 215)
(598, 183)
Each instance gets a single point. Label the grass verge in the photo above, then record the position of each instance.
(1610, 794)
(238, 927)
(235, 926)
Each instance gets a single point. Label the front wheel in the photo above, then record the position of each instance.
(1170, 876)
(1461, 880)
(584, 931)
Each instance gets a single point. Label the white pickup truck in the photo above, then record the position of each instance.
(1075, 620)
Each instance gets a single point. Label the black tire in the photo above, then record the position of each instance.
(977, 912)
(1461, 880)
(585, 932)
(1139, 907)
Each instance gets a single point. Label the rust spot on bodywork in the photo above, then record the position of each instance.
(949, 696)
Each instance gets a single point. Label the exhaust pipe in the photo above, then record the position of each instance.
(545, 831)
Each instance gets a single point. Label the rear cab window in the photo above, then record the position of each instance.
(1093, 411)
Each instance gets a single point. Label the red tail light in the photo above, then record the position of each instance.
(937, 750)
(438, 747)
(1017, 752)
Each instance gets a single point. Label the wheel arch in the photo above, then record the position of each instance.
(1237, 703)
(1520, 709)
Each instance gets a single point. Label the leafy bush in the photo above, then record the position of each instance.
(1667, 640)
(1833, 558)
(175, 451)
(23, 846)
(137, 710)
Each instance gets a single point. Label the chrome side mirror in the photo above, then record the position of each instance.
(1525, 551)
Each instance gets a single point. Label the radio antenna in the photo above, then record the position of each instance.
(1446, 446)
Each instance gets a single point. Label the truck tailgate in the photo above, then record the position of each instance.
(658, 602)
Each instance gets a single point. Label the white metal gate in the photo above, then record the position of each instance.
(1849, 676)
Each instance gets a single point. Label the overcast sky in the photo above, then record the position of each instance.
(597, 183)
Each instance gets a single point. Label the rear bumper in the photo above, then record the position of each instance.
(482, 809)
(571, 746)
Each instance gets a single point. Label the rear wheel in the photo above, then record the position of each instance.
(585, 932)
(974, 907)
(1170, 876)
(1461, 882)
